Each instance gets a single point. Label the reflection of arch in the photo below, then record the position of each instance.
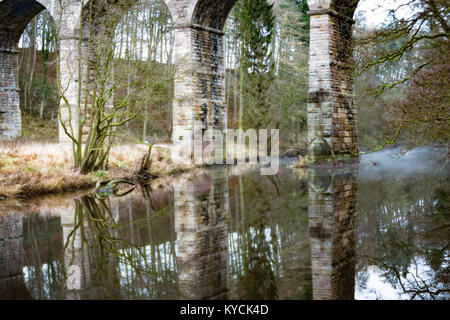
(14, 18)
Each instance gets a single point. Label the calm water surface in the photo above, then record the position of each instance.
(377, 231)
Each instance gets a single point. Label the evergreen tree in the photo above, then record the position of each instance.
(301, 22)
(255, 27)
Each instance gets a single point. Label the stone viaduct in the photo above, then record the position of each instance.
(199, 86)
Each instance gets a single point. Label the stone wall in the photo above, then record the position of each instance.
(10, 119)
(199, 101)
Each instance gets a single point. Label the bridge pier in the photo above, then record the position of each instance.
(199, 97)
(10, 118)
(73, 83)
(331, 108)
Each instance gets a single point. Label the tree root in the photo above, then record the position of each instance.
(110, 188)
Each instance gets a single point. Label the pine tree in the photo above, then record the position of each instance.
(300, 25)
(255, 27)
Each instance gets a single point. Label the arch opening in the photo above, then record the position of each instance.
(143, 69)
(331, 111)
(37, 68)
(128, 51)
(289, 73)
(15, 16)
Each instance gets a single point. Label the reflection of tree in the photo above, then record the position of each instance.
(118, 268)
(272, 249)
(258, 279)
(45, 270)
(404, 228)
(409, 277)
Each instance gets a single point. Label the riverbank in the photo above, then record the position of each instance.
(30, 168)
(33, 169)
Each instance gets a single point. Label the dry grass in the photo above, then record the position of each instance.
(28, 169)
(39, 130)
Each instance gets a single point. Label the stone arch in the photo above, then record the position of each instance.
(199, 87)
(14, 18)
(331, 112)
(212, 14)
(104, 12)
(345, 7)
(199, 97)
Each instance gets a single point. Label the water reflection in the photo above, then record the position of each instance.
(222, 234)
(404, 231)
(332, 205)
(201, 214)
(12, 283)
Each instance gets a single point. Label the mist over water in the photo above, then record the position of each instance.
(387, 162)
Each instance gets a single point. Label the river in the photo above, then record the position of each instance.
(377, 230)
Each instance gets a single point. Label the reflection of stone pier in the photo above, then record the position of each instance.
(12, 283)
(75, 253)
(201, 210)
(332, 204)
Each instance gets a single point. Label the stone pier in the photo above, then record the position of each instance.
(10, 119)
(331, 108)
(199, 101)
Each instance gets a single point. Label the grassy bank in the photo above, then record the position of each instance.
(30, 168)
